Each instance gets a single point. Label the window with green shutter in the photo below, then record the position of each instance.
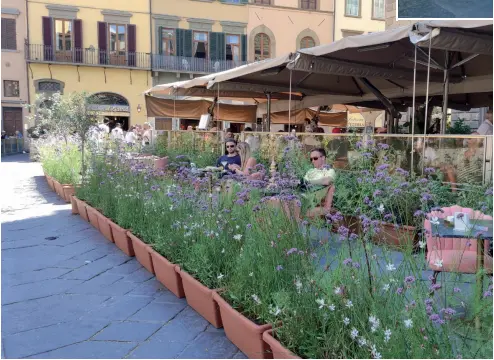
(184, 42)
(217, 46)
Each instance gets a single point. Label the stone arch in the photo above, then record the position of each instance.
(307, 33)
(110, 98)
(48, 86)
(259, 30)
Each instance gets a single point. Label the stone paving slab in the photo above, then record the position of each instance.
(69, 293)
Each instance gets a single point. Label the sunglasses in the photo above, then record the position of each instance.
(230, 146)
(314, 158)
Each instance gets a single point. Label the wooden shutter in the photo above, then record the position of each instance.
(131, 39)
(217, 43)
(47, 38)
(243, 47)
(78, 50)
(184, 42)
(159, 39)
(102, 42)
(9, 34)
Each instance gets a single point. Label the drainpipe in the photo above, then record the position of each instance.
(26, 50)
(151, 37)
(334, 20)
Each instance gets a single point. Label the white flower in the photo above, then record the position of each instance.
(386, 287)
(438, 263)
(223, 251)
(422, 244)
(408, 323)
(375, 323)
(434, 220)
(354, 333)
(251, 274)
(220, 276)
(256, 299)
(238, 237)
(331, 307)
(387, 335)
(188, 234)
(337, 291)
(298, 285)
(237, 227)
(321, 303)
(346, 321)
(381, 208)
(274, 310)
(390, 267)
(349, 304)
(362, 342)
(171, 207)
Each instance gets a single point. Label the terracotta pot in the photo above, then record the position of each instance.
(142, 252)
(167, 274)
(73, 201)
(200, 298)
(68, 191)
(121, 239)
(402, 237)
(245, 334)
(49, 180)
(350, 222)
(161, 163)
(278, 350)
(104, 226)
(92, 214)
(58, 188)
(81, 206)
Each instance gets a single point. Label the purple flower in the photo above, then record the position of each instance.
(358, 144)
(367, 155)
(347, 261)
(383, 146)
(488, 192)
(382, 167)
(405, 184)
(409, 280)
(426, 197)
(249, 226)
(402, 172)
(418, 213)
(313, 255)
(429, 170)
(428, 309)
(240, 202)
(291, 251)
(343, 231)
(429, 301)
(388, 217)
(436, 319)
(356, 265)
(353, 236)
(434, 287)
(305, 223)
(279, 268)
(399, 291)
(460, 216)
(377, 193)
(397, 191)
(367, 200)
(456, 290)
(487, 293)
(423, 181)
(448, 311)
(359, 180)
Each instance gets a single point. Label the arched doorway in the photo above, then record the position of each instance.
(112, 106)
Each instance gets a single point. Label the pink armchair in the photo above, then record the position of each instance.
(456, 255)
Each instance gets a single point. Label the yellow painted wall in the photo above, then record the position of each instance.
(364, 23)
(92, 80)
(286, 24)
(90, 13)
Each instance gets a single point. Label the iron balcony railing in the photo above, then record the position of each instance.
(192, 64)
(87, 56)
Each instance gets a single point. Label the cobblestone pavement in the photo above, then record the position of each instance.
(69, 293)
(418, 9)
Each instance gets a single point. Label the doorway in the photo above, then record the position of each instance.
(12, 120)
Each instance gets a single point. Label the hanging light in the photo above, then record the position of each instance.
(139, 108)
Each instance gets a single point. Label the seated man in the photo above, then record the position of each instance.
(231, 157)
(319, 183)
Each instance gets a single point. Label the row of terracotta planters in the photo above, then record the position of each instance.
(65, 191)
(252, 339)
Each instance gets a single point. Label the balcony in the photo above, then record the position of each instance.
(87, 57)
(192, 65)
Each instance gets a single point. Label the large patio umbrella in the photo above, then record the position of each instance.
(383, 66)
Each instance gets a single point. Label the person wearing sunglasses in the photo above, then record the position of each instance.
(318, 182)
(232, 157)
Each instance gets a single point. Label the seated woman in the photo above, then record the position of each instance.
(320, 175)
(247, 162)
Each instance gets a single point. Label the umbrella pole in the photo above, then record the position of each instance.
(290, 103)
(426, 101)
(413, 107)
(446, 93)
(268, 117)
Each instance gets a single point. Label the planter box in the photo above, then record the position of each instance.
(402, 237)
(92, 214)
(121, 239)
(161, 163)
(200, 298)
(245, 334)
(142, 252)
(278, 350)
(167, 274)
(81, 206)
(350, 222)
(104, 226)
(49, 180)
(73, 201)
(58, 188)
(68, 191)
